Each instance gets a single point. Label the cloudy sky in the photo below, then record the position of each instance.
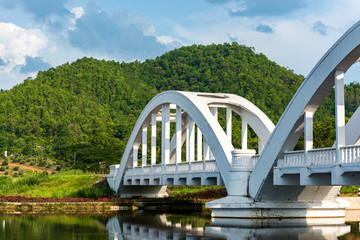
(38, 34)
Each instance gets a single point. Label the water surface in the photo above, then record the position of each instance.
(142, 225)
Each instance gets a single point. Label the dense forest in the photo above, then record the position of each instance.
(86, 110)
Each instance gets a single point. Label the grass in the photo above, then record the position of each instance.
(71, 172)
(62, 185)
(197, 192)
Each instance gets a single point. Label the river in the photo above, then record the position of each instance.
(144, 225)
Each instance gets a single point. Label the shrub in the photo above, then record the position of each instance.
(5, 163)
(2, 169)
(6, 173)
(42, 164)
(31, 179)
(16, 168)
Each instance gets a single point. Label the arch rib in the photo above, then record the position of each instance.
(200, 113)
(311, 93)
(197, 106)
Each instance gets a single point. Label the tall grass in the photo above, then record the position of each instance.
(57, 186)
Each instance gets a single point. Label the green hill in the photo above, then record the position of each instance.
(86, 110)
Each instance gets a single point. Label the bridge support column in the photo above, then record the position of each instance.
(153, 138)
(165, 135)
(339, 124)
(229, 123)
(244, 128)
(239, 175)
(199, 144)
(144, 146)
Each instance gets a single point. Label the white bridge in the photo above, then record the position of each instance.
(178, 140)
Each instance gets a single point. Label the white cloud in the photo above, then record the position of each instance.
(78, 12)
(16, 44)
(169, 41)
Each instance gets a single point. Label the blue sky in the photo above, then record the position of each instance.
(38, 34)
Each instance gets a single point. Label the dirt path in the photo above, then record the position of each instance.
(26, 167)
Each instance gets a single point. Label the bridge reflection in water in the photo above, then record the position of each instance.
(167, 226)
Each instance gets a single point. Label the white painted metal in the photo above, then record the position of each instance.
(244, 130)
(318, 83)
(229, 123)
(191, 140)
(308, 135)
(206, 150)
(153, 138)
(199, 144)
(135, 156)
(339, 112)
(165, 134)
(144, 146)
(178, 135)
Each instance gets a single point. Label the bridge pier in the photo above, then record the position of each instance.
(239, 204)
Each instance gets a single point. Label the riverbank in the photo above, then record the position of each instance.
(49, 206)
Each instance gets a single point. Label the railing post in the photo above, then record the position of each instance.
(308, 136)
(339, 113)
(244, 128)
(144, 146)
(178, 136)
(153, 138)
(165, 136)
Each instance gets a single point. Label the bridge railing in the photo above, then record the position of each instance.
(321, 156)
(242, 161)
(182, 167)
(351, 154)
(294, 158)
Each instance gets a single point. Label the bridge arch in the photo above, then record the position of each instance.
(198, 106)
(337, 60)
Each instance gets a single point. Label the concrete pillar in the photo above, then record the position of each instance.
(144, 146)
(153, 138)
(191, 140)
(228, 123)
(244, 130)
(165, 134)
(260, 146)
(214, 112)
(308, 135)
(199, 144)
(135, 156)
(206, 149)
(178, 135)
(339, 113)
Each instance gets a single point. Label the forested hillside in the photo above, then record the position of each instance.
(86, 110)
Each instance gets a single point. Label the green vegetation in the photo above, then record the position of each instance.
(80, 115)
(197, 192)
(61, 185)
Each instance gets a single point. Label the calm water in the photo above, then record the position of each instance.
(167, 226)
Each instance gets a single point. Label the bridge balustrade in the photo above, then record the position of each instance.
(351, 154)
(321, 156)
(182, 167)
(245, 160)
